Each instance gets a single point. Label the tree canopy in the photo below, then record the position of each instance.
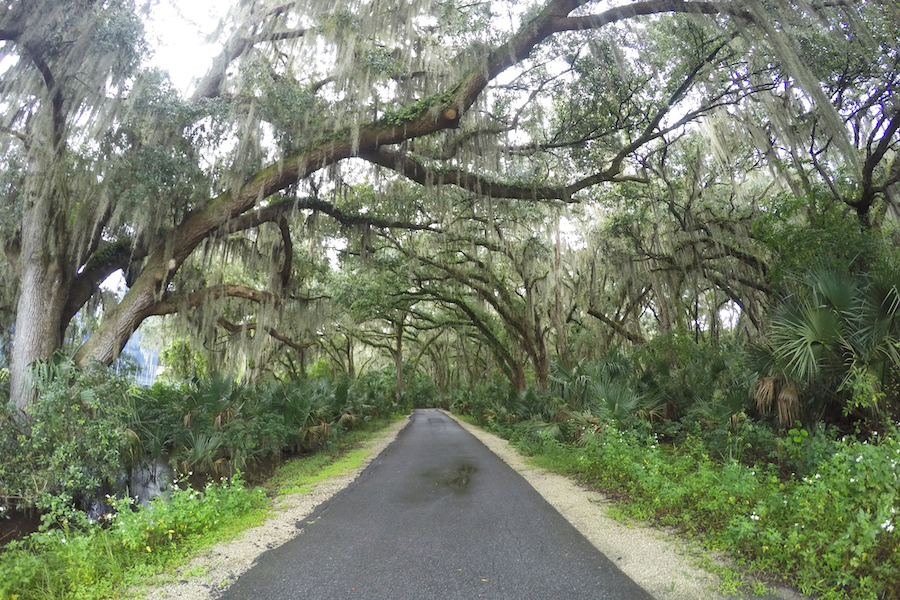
(474, 187)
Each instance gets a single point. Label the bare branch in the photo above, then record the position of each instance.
(210, 85)
(25, 139)
(873, 158)
(274, 212)
(109, 258)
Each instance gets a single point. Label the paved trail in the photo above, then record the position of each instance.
(436, 516)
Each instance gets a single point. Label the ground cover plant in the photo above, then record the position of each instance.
(814, 509)
(74, 557)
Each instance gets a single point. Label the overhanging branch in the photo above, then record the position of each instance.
(234, 329)
(274, 212)
(413, 169)
(176, 302)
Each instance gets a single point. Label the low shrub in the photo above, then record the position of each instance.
(77, 442)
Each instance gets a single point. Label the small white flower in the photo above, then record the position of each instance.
(858, 458)
(818, 476)
(852, 480)
(888, 526)
(755, 517)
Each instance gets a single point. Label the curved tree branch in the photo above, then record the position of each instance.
(210, 85)
(234, 328)
(615, 326)
(174, 303)
(413, 169)
(108, 259)
(276, 211)
(873, 158)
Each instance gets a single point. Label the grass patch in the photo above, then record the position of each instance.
(299, 475)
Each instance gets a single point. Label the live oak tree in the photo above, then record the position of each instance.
(65, 70)
(107, 168)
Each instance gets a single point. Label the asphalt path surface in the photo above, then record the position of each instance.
(435, 516)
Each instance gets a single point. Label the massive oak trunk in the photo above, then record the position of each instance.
(44, 274)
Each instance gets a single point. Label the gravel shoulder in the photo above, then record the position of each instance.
(660, 562)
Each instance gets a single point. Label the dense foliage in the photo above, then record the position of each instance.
(585, 222)
(93, 427)
(85, 559)
(214, 433)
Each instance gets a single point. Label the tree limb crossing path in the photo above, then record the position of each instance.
(436, 516)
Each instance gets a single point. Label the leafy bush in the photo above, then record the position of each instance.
(182, 362)
(89, 426)
(836, 337)
(799, 232)
(214, 425)
(77, 441)
(685, 377)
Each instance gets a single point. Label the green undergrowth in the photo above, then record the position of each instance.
(298, 476)
(74, 558)
(832, 532)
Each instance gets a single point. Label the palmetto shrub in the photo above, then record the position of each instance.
(90, 426)
(215, 425)
(834, 347)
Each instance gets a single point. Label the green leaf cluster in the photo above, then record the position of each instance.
(78, 441)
